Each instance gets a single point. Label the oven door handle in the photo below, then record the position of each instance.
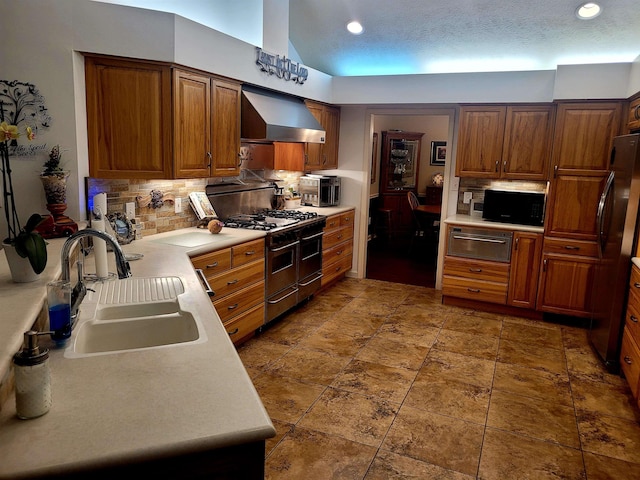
(311, 237)
(479, 239)
(273, 302)
(311, 281)
(203, 279)
(279, 249)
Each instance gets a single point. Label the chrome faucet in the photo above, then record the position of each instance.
(80, 289)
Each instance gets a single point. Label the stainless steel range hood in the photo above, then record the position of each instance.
(267, 116)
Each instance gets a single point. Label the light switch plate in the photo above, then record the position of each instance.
(467, 197)
(130, 210)
(177, 204)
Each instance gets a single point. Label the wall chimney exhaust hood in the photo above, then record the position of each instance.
(270, 117)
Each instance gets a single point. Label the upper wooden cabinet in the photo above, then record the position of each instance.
(128, 118)
(584, 135)
(324, 156)
(225, 125)
(633, 122)
(511, 142)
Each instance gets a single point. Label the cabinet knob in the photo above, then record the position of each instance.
(633, 319)
(555, 171)
(637, 285)
(627, 360)
(497, 163)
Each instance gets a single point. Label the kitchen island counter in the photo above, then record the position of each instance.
(123, 409)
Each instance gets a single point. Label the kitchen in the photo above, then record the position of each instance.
(353, 119)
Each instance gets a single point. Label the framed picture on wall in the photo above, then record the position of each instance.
(438, 153)
(374, 158)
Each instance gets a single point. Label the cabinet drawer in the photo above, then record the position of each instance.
(570, 247)
(236, 279)
(492, 292)
(333, 223)
(632, 316)
(213, 263)
(332, 271)
(337, 236)
(247, 323)
(240, 301)
(630, 361)
(337, 252)
(634, 281)
(476, 269)
(247, 252)
(346, 219)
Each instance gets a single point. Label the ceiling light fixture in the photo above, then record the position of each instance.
(588, 11)
(355, 27)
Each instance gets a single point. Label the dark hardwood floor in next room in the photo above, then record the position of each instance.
(398, 260)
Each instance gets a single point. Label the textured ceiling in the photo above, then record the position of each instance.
(443, 36)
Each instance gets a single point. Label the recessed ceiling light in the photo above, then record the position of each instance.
(588, 11)
(355, 28)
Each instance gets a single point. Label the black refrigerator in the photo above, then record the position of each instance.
(616, 220)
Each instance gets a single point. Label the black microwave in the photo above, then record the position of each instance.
(526, 208)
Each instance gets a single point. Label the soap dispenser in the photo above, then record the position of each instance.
(32, 378)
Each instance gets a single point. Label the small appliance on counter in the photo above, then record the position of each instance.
(320, 190)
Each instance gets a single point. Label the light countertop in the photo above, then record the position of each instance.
(480, 222)
(116, 408)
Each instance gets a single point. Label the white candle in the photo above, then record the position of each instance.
(100, 204)
(100, 251)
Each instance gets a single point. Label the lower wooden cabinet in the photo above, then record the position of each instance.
(337, 246)
(525, 264)
(630, 351)
(475, 279)
(236, 278)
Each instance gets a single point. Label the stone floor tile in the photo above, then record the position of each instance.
(607, 468)
(352, 416)
(307, 454)
(388, 465)
(309, 365)
(509, 456)
(610, 436)
(259, 354)
(367, 306)
(463, 368)
(533, 356)
(382, 381)
(582, 362)
(473, 324)
(334, 343)
(418, 315)
(533, 383)
(286, 399)
(575, 337)
(393, 354)
(533, 417)
(474, 345)
(448, 442)
(604, 398)
(408, 332)
(532, 335)
(282, 429)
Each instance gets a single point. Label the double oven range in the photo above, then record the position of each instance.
(293, 242)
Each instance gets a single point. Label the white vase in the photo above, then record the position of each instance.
(21, 271)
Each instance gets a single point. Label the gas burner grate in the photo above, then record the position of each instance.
(290, 214)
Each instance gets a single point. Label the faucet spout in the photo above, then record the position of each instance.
(79, 291)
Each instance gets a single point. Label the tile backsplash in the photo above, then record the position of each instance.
(477, 187)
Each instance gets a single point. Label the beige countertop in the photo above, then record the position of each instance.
(470, 221)
(121, 407)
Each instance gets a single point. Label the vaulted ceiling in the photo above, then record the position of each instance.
(444, 36)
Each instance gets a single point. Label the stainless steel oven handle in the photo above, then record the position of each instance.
(479, 239)
(310, 281)
(311, 237)
(203, 279)
(273, 302)
(279, 249)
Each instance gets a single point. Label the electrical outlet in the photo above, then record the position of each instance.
(130, 210)
(467, 197)
(177, 205)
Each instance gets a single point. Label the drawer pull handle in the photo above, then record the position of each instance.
(571, 247)
(339, 252)
(232, 307)
(339, 237)
(232, 333)
(627, 360)
(205, 283)
(212, 265)
(633, 319)
(232, 282)
(250, 252)
(474, 290)
(637, 285)
(475, 270)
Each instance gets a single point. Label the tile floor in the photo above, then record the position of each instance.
(377, 380)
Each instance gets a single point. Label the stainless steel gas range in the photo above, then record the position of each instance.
(293, 242)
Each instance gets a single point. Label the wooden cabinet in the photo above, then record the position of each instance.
(566, 279)
(525, 265)
(128, 118)
(401, 215)
(146, 121)
(475, 279)
(400, 161)
(235, 276)
(337, 246)
(633, 120)
(630, 352)
(511, 142)
(324, 156)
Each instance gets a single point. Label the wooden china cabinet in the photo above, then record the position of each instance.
(399, 164)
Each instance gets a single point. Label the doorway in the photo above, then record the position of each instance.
(398, 249)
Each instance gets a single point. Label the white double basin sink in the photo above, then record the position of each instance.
(134, 314)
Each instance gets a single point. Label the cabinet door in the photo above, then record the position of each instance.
(401, 211)
(225, 124)
(565, 284)
(331, 125)
(288, 156)
(313, 151)
(480, 140)
(528, 137)
(128, 118)
(633, 121)
(525, 266)
(584, 135)
(191, 124)
(573, 206)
